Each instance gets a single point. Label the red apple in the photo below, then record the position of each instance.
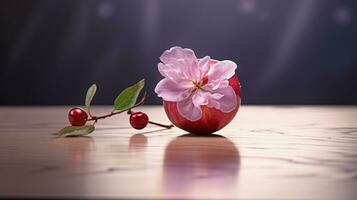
(212, 119)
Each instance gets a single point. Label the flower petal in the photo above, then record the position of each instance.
(222, 70)
(204, 66)
(170, 72)
(211, 99)
(228, 101)
(188, 110)
(222, 96)
(175, 53)
(215, 84)
(171, 91)
(183, 60)
(199, 98)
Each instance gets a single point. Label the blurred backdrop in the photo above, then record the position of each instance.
(288, 52)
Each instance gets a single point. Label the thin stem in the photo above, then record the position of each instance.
(121, 111)
(162, 125)
(128, 110)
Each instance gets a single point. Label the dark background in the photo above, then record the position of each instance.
(288, 51)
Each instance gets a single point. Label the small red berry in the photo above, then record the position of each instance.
(138, 120)
(77, 117)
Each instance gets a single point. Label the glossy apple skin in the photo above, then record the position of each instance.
(212, 119)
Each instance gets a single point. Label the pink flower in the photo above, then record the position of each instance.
(193, 83)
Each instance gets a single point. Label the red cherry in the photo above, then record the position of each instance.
(138, 120)
(77, 116)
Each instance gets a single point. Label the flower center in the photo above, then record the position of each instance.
(201, 83)
(198, 85)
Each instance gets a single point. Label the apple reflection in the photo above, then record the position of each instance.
(200, 165)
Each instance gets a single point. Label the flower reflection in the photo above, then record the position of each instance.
(200, 165)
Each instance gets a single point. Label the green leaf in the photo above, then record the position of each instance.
(128, 97)
(76, 130)
(89, 97)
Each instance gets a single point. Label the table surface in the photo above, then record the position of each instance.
(266, 152)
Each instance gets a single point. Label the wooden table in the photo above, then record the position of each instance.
(282, 152)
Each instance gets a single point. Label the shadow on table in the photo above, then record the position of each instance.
(196, 165)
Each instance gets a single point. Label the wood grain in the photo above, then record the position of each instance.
(282, 152)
